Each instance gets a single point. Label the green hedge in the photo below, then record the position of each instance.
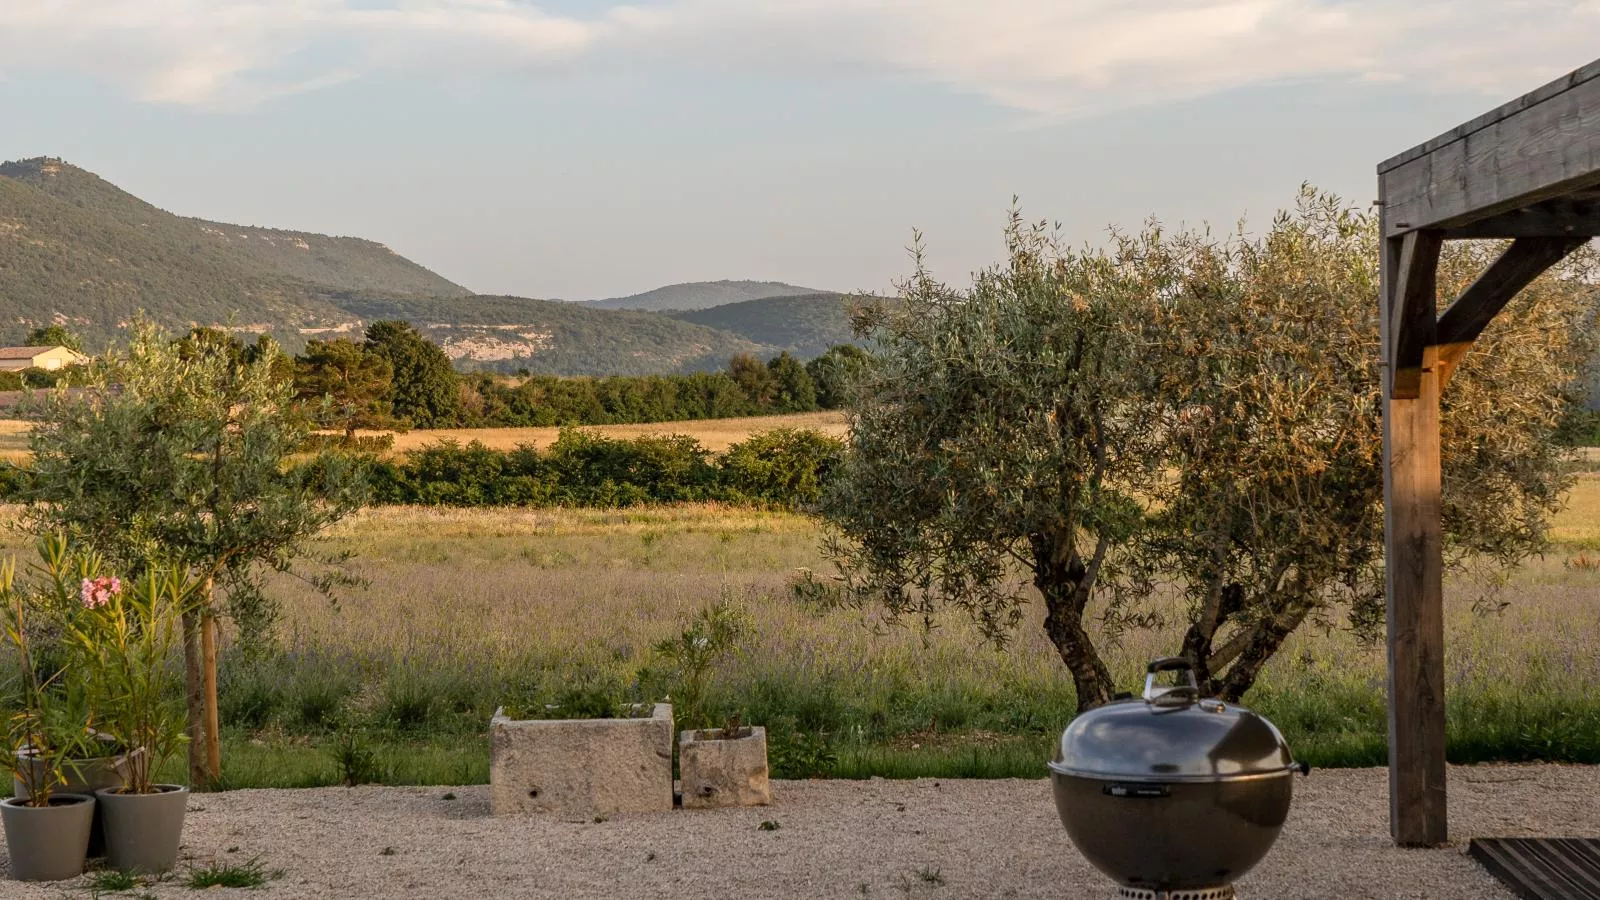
(785, 467)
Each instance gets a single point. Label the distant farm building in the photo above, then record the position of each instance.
(14, 359)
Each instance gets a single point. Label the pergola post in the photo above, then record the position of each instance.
(1528, 171)
(1414, 549)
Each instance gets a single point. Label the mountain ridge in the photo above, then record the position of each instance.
(805, 325)
(694, 295)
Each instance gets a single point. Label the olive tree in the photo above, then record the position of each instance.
(1269, 385)
(1222, 458)
(176, 453)
(1001, 426)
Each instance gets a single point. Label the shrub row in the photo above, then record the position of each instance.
(782, 467)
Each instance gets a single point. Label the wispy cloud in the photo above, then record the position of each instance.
(229, 53)
(1046, 57)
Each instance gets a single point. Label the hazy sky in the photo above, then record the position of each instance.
(587, 149)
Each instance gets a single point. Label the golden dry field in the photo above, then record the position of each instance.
(13, 440)
(502, 582)
(715, 435)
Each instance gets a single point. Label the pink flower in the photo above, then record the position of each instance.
(97, 592)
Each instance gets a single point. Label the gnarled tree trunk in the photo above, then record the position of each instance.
(1066, 582)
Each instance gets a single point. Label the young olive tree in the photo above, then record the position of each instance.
(1237, 415)
(177, 453)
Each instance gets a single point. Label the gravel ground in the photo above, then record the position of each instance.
(836, 839)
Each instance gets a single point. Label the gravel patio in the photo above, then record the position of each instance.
(944, 839)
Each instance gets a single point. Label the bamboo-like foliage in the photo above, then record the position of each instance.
(1183, 414)
(32, 757)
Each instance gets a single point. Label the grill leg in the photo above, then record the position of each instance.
(1220, 892)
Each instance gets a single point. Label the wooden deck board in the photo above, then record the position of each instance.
(1543, 868)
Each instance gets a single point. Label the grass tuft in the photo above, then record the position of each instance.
(248, 874)
(111, 881)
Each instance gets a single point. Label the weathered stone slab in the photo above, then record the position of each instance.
(581, 768)
(720, 771)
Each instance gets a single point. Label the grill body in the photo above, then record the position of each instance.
(1180, 836)
(1172, 793)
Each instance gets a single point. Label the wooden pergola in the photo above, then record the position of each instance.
(1528, 171)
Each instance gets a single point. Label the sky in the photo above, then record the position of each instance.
(579, 149)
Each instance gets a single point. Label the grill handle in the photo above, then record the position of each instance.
(1169, 664)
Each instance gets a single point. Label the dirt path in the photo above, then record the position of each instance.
(836, 839)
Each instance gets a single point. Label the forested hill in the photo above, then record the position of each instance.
(805, 325)
(92, 256)
(348, 263)
(552, 337)
(77, 250)
(701, 295)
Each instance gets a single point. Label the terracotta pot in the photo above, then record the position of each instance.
(47, 843)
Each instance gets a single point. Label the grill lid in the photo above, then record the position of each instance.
(1171, 734)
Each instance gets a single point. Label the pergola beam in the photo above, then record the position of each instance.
(1551, 219)
(1536, 148)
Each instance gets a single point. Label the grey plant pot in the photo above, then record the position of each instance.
(143, 830)
(83, 776)
(47, 843)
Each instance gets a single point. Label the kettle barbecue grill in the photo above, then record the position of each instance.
(1173, 795)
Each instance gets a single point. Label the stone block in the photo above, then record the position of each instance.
(581, 768)
(721, 771)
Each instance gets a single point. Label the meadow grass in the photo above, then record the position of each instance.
(466, 610)
(469, 609)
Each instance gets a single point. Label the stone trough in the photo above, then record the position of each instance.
(581, 768)
(720, 769)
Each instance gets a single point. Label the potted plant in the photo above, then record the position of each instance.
(129, 631)
(91, 759)
(47, 831)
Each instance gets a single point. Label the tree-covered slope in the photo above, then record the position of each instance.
(348, 263)
(700, 295)
(554, 337)
(805, 325)
(78, 249)
(66, 258)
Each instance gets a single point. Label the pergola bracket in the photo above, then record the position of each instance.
(1459, 325)
(1412, 310)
